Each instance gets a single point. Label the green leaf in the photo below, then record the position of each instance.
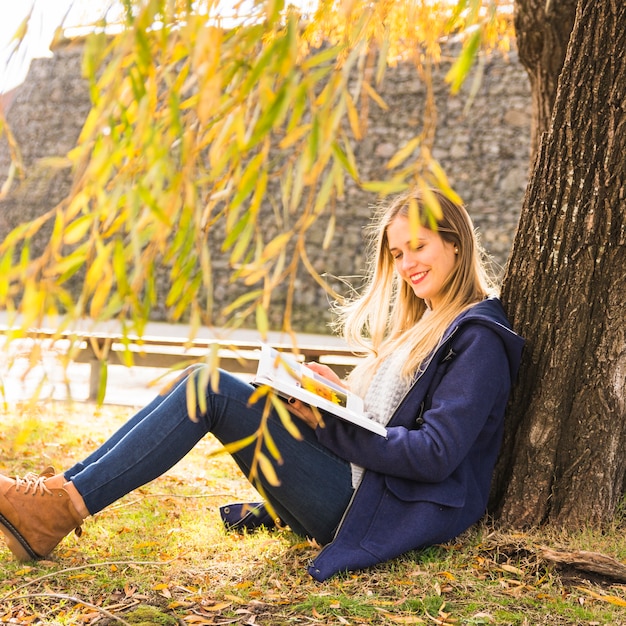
(102, 382)
(273, 116)
(324, 193)
(245, 186)
(249, 296)
(243, 241)
(385, 187)
(328, 56)
(461, 67)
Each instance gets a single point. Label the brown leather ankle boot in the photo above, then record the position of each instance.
(34, 518)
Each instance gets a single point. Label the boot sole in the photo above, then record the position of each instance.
(16, 543)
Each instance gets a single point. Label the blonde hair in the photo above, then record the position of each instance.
(388, 314)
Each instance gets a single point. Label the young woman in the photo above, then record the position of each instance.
(441, 361)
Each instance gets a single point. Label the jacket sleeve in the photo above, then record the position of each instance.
(466, 408)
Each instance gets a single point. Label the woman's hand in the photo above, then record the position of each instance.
(303, 411)
(326, 372)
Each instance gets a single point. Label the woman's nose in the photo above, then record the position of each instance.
(407, 261)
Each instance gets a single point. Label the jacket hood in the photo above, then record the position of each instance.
(491, 313)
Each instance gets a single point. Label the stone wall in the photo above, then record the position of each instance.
(484, 150)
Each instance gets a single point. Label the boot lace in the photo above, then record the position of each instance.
(32, 483)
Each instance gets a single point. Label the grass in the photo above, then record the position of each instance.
(161, 556)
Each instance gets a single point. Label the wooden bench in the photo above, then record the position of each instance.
(168, 346)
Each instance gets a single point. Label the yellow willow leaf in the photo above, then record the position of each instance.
(5, 264)
(245, 185)
(324, 193)
(75, 231)
(190, 393)
(598, 596)
(512, 569)
(430, 203)
(98, 267)
(271, 446)
(442, 180)
(294, 136)
(321, 58)
(262, 323)
(57, 163)
(259, 393)
(297, 181)
(404, 153)
(242, 300)
(371, 92)
(6, 186)
(253, 274)
(242, 243)
(226, 128)
(101, 294)
(119, 266)
(215, 378)
(204, 378)
(102, 382)
(235, 446)
(259, 194)
(273, 116)
(267, 469)
(276, 246)
(188, 298)
(33, 303)
(27, 230)
(22, 29)
(286, 183)
(67, 265)
(385, 188)
(414, 221)
(346, 159)
(330, 232)
(210, 93)
(353, 118)
(285, 417)
(56, 238)
(381, 66)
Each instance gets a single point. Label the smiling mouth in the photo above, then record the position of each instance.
(416, 278)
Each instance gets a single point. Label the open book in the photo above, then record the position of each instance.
(289, 378)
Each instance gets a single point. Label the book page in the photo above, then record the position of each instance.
(288, 377)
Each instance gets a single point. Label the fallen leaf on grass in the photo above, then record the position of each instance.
(511, 569)
(406, 619)
(598, 596)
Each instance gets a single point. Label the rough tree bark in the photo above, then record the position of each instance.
(564, 454)
(542, 31)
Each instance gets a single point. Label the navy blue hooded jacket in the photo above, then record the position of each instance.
(430, 478)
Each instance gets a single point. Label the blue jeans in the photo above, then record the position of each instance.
(315, 485)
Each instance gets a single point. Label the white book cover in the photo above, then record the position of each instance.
(289, 378)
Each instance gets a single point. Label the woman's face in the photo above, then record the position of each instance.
(426, 265)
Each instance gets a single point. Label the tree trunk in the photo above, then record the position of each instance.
(542, 30)
(564, 453)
